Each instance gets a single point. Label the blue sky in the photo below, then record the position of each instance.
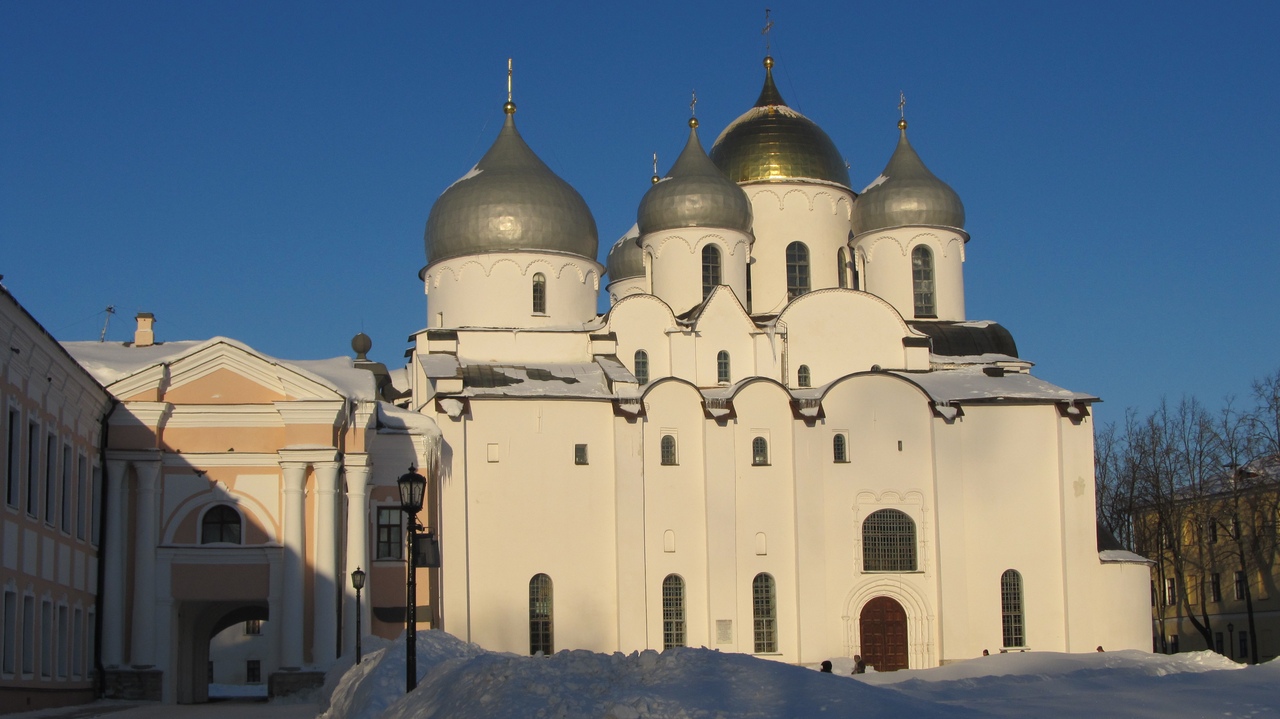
(264, 170)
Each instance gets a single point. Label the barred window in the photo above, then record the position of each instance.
(642, 367)
(539, 293)
(540, 615)
(797, 270)
(802, 376)
(722, 367)
(710, 269)
(839, 448)
(673, 612)
(888, 542)
(390, 537)
(922, 279)
(669, 450)
(220, 524)
(764, 606)
(759, 451)
(1011, 609)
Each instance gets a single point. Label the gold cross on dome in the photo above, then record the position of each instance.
(902, 104)
(693, 104)
(768, 25)
(508, 79)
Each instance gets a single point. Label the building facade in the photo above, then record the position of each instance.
(49, 560)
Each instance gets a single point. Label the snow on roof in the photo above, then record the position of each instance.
(615, 370)
(110, 362)
(1122, 556)
(439, 365)
(972, 384)
(878, 181)
(395, 420)
(580, 380)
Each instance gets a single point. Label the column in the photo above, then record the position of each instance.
(291, 597)
(143, 651)
(328, 536)
(357, 472)
(112, 553)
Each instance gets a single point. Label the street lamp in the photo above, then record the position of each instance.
(357, 581)
(412, 488)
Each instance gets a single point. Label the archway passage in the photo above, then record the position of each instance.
(883, 629)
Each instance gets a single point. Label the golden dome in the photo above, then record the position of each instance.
(774, 142)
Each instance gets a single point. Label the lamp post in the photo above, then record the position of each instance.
(412, 487)
(357, 581)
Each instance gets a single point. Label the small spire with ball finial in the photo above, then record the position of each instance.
(693, 110)
(656, 179)
(510, 107)
(902, 110)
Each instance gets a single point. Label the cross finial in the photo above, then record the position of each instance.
(655, 163)
(693, 104)
(902, 104)
(508, 79)
(768, 25)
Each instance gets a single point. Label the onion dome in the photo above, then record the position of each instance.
(773, 142)
(509, 201)
(906, 193)
(694, 194)
(626, 259)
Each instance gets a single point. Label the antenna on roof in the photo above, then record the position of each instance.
(111, 310)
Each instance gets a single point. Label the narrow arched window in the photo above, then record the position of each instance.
(672, 612)
(797, 270)
(922, 280)
(220, 524)
(642, 367)
(710, 269)
(764, 610)
(888, 542)
(539, 294)
(540, 615)
(842, 269)
(839, 448)
(722, 367)
(802, 376)
(1011, 609)
(759, 451)
(669, 450)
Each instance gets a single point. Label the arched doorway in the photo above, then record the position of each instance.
(198, 623)
(882, 627)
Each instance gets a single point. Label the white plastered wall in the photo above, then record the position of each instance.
(496, 290)
(674, 263)
(785, 212)
(885, 256)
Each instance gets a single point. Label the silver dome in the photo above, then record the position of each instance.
(694, 194)
(626, 259)
(906, 193)
(509, 201)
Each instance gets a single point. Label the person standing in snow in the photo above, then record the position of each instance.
(859, 666)
(826, 667)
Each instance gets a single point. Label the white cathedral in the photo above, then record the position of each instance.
(784, 438)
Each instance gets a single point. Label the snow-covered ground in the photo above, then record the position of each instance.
(462, 681)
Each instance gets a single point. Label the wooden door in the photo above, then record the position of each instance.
(883, 626)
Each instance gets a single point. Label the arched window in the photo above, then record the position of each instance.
(839, 448)
(802, 376)
(764, 610)
(220, 524)
(842, 269)
(669, 450)
(539, 293)
(922, 280)
(759, 451)
(722, 367)
(797, 270)
(710, 269)
(642, 367)
(672, 612)
(1011, 609)
(540, 615)
(888, 542)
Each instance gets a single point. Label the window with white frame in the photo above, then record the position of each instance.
(722, 367)
(390, 533)
(888, 542)
(1011, 616)
(673, 634)
(539, 293)
(541, 615)
(759, 452)
(922, 282)
(668, 449)
(1170, 592)
(764, 610)
(797, 270)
